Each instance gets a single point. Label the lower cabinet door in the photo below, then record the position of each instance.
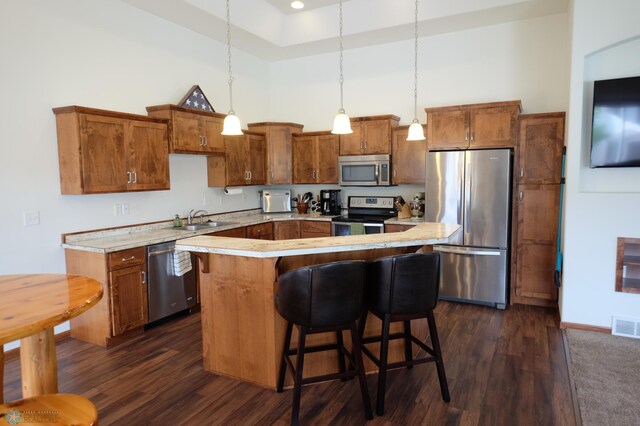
(128, 298)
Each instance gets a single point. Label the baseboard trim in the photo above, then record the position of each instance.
(15, 352)
(587, 327)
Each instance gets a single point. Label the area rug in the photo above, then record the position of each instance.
(606, 373)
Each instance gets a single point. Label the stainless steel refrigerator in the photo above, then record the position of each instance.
(472, 188)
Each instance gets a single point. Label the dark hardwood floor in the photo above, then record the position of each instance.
(503, 368)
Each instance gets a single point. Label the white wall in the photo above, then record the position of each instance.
(525, 60)
(105, 55)
(601, 204)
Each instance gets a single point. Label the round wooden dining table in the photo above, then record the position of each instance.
(30, 306)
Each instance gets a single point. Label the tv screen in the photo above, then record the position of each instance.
(615, 132)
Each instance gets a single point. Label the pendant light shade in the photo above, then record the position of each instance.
(341, 124)
(231, 125)
(416, 132)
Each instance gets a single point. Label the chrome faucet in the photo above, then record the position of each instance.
(193, 215)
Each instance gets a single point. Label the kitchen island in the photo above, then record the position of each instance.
(242, 331)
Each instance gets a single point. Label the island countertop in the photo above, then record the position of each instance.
(425, 233)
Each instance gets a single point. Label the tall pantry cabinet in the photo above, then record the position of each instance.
(538, 175)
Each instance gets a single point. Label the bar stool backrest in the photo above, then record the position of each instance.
(404, 284)
(324, 295)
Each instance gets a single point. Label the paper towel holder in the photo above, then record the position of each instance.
(233, 191)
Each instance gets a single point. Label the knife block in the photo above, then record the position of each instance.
(404, 212)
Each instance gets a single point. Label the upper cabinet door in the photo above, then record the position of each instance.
(303, 159)
(148, 148)
(493, 127)
(236, 161)
(376, 137)
(540, 151)
(327, 158)
(352, 144)
(213, 141)
(256, 159)
(279, 156)
(187, 135)
(104, 167)
(408, 158)
(448, 129)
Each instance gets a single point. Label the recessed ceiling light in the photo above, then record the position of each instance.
(297, 4)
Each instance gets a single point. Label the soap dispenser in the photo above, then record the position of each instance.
(177, 222)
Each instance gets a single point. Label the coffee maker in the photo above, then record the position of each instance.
(330, 202)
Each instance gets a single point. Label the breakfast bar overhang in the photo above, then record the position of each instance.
(242, 332)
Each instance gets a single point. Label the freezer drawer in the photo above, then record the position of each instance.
(473, 274)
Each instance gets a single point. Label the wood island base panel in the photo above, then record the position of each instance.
(242, 331)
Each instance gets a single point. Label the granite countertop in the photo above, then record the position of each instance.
(107, 241)
(424, 233)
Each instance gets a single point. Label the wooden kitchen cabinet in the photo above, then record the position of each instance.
(123, 309)
(315, 157)
(278, 150)
(396, 227)
(261, 231)
(191, 131)
(536, 207)
(487, 125)
(371, 135)
(243, 161)
(628, 265)
(286, 230)
(408, 158)
(240, 232)
(105, 151)
(315, 228)
(541, 141)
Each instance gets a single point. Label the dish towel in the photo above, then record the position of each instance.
(357, 229)
(181, 262)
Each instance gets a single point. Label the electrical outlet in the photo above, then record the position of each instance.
(125, 209)
(117, 209)
(31, 218)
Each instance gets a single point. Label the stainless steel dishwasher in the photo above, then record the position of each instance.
(168, 293)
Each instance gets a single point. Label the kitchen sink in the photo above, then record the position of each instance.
(206, 225)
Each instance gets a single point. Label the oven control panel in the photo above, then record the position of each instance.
(362, 202)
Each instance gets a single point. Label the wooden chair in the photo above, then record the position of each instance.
(51, 409)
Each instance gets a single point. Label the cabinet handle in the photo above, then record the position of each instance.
(144, 277)
(135, 177)
(200, 137)
(206, 140)
(318, 175)
(466, 135)
(250, 175)
(128, 177)
(472, 135)
(521, 171)
(521, 196)
(126, 259)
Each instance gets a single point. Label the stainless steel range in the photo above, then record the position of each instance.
(366, 215)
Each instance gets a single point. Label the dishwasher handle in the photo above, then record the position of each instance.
(159, 252)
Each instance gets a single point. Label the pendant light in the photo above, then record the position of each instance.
(231, 126)
(341, 124)
(416, 132)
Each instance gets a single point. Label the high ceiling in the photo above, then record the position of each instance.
(271, 30)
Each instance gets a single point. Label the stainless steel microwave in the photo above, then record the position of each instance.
(365, 170)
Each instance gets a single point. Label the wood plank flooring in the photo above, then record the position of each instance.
(503, 368)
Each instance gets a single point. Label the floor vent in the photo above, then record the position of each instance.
(626, 327)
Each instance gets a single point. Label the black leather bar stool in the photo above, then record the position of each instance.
(319, 299)
(402, 288)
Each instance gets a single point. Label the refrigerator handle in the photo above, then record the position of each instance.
(456, 250)
(467, 195)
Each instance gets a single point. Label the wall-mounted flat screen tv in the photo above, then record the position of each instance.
(615, 132)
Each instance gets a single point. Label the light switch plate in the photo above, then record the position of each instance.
(125, 209)
(31, 218)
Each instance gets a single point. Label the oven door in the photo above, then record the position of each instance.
(344, 228)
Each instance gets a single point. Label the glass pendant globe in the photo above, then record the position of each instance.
(341, 124)
(231, 126)
(416, 132)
